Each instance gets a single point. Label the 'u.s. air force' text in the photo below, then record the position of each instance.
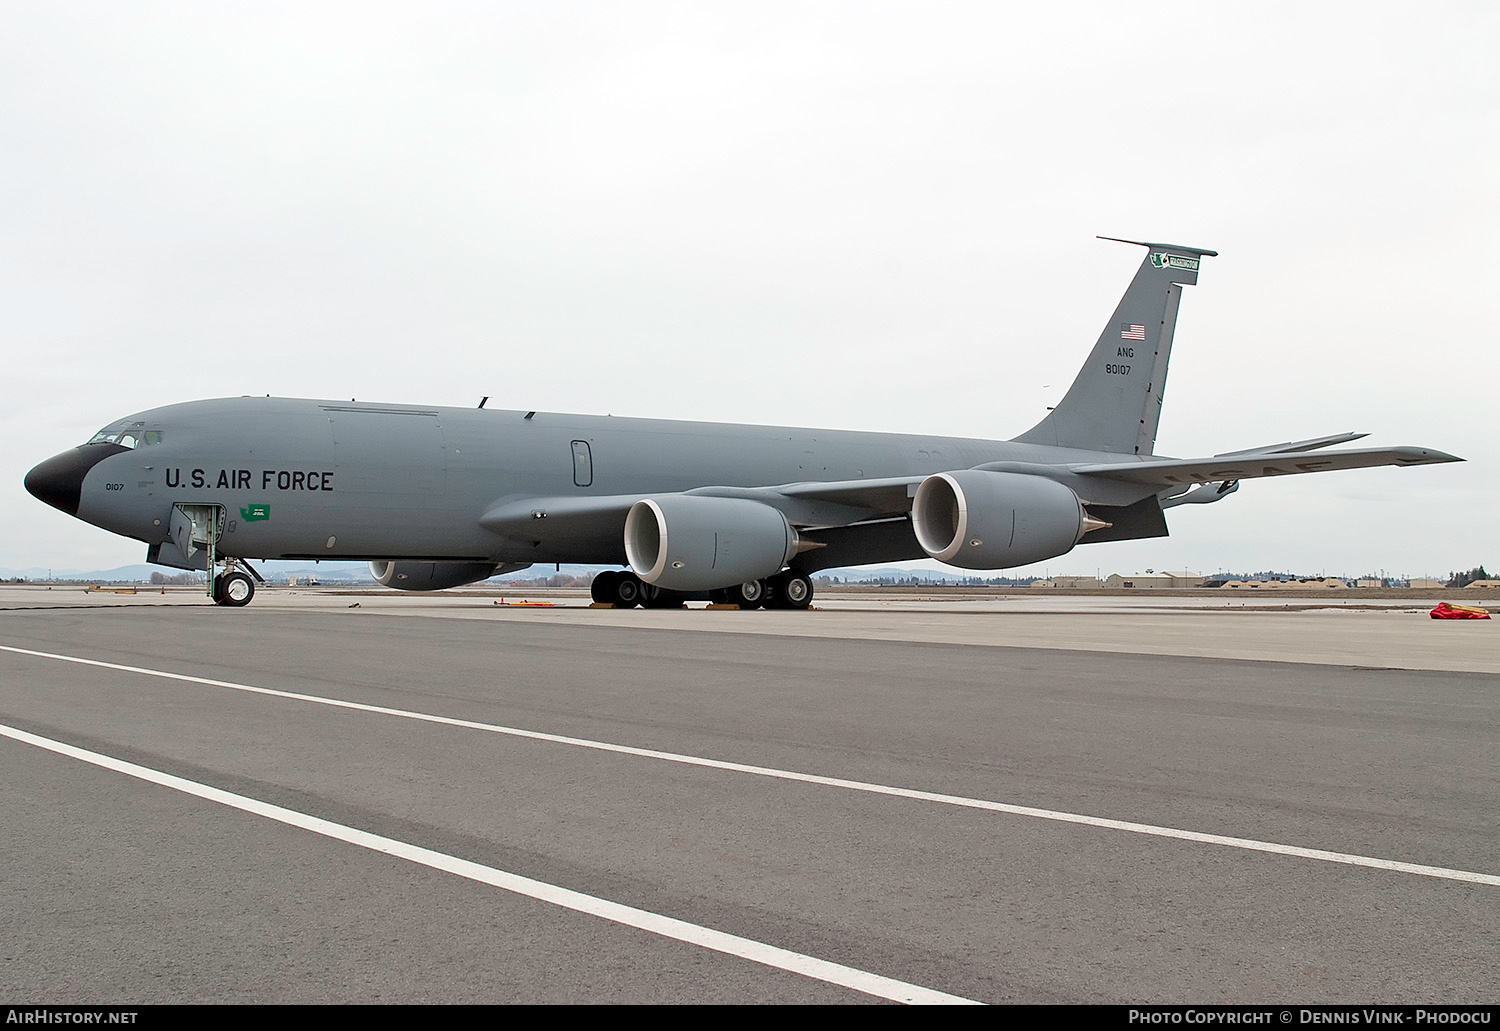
(245, 479)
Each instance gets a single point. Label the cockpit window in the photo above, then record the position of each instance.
(130, 435)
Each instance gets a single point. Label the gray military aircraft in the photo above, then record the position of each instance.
(438, 497)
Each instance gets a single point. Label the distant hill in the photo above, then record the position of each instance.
(334, 572)
(123, 574)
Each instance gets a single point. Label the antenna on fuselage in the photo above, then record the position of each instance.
(483, 399)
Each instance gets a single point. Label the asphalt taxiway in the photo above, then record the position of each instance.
(445, 799)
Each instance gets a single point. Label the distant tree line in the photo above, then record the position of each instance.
(180, 580)
(1465, 579)
(916, 581)
(556, 580)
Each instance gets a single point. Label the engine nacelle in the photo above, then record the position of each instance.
(683, 542)
(992, 520)
(415, 575)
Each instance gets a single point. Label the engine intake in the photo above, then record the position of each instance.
(683, 542)
(993, 520)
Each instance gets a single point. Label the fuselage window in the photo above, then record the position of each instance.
(583, 464)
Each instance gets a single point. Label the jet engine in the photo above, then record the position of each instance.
(682, 542)
(993, 520)
(413, 575)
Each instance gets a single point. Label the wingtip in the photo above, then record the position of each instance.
(1428, 456)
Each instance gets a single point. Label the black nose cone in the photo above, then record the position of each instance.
(59, 480)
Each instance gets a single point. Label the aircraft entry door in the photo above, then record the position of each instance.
(195, 529)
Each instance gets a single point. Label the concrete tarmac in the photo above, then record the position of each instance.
(1341, 630)
(1376, 741)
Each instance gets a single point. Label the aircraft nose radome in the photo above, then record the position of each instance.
(59, 480)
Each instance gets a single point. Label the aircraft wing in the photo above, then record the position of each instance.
(836, 503)
(562, 518)
(1166, 472)
(1311, 444)
(889, 496)
(844, 502)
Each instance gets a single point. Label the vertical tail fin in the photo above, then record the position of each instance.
(1115, 402)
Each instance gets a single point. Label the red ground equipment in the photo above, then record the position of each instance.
(1446, 611)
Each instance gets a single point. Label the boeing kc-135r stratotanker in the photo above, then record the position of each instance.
(438, 497)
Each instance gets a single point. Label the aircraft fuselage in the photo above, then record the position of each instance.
(307, 479)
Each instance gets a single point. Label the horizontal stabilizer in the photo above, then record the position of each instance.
(1183, 248)
(1166, 472)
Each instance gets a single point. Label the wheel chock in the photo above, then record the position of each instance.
(601, 605)
(724, 607)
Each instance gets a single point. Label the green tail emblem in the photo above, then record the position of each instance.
(1161, 260)
(255, 513)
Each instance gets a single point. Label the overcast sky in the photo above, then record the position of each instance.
(856, 215)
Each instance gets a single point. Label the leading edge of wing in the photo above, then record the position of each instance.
(834, 503)
(599, 515)
(885, 495)
(1310, 444)
(1167, 472)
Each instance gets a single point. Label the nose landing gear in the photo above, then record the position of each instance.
(234, 587)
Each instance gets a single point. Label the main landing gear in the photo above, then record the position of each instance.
(612, 587)
(653, 597)
(790, 590)
(787, 590)
(748, 595)
(234, 587)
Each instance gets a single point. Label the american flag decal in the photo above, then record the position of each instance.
(1132, 331)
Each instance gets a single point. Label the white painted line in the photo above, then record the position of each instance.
(1249, 844)
(667, 927)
